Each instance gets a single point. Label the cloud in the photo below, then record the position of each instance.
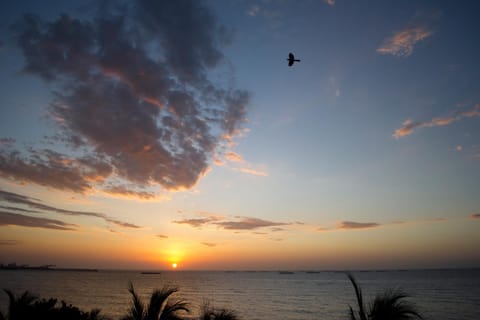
(401, 43)
(6, 141)
(136, 97)
(15, 219)
(239, 223)
(254, 10)
(52, 169)
(209, 244)
(9, 242)
(36, 204)
(129, 192)
(162, 236)
(9, 208)
(357, 225)
(409, 125)
(330, 2)
(353, 225)
(248, 224)
(475, 216)
(253, 172)
(196, 223)
(235, 157)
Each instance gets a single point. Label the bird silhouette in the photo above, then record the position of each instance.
(291, 59)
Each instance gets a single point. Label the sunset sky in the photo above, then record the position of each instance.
(136, 135)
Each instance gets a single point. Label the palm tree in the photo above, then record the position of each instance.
(388, 306)
(159, 308)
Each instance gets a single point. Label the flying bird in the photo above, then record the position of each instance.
(291, 59)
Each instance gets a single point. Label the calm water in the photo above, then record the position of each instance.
(438, 294)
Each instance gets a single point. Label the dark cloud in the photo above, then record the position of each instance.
(248, 224)
(36, 204)
(49, 168)
(136, 97)
(9, 242)
(162, 236)
(357, 225)
(475, 216)
(9, 208)
(15, 219)
(123, 190)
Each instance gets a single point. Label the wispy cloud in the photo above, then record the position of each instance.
(16, 219)
(409, 125)
(357, 225)
(401, 43)
(330, 2)
(195, 222)
(248, 224)
(209, 244)
(162, 236)
(253, 172)
(475, 216)
(15, 198)
(235, 157)
(144, 119)
(238, 223)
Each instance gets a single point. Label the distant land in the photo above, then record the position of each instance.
(47, 267)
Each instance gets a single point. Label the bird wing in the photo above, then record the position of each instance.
(290, 62)
(290, 56)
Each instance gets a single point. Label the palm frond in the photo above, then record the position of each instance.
(137, 310)
(210, 313)
(392, 305)
(352, 314)
(158, 302)
(171, 310)
(358, 293)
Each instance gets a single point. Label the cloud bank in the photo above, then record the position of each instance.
(136, 99)
(409, 125)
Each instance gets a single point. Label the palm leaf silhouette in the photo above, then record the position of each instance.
(159, 307)
(390, 305)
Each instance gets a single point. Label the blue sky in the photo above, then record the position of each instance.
(180, 128)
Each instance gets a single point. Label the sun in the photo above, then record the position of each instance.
(174, 265)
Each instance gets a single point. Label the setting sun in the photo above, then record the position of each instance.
(174, 265)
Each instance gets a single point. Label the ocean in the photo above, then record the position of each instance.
(438, 294)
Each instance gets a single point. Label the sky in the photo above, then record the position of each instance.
(139, 134)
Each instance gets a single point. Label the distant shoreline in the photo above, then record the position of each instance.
(45, 268)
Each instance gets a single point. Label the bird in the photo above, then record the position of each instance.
(291, 59)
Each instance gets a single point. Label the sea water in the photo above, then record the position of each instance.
(438, 294)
